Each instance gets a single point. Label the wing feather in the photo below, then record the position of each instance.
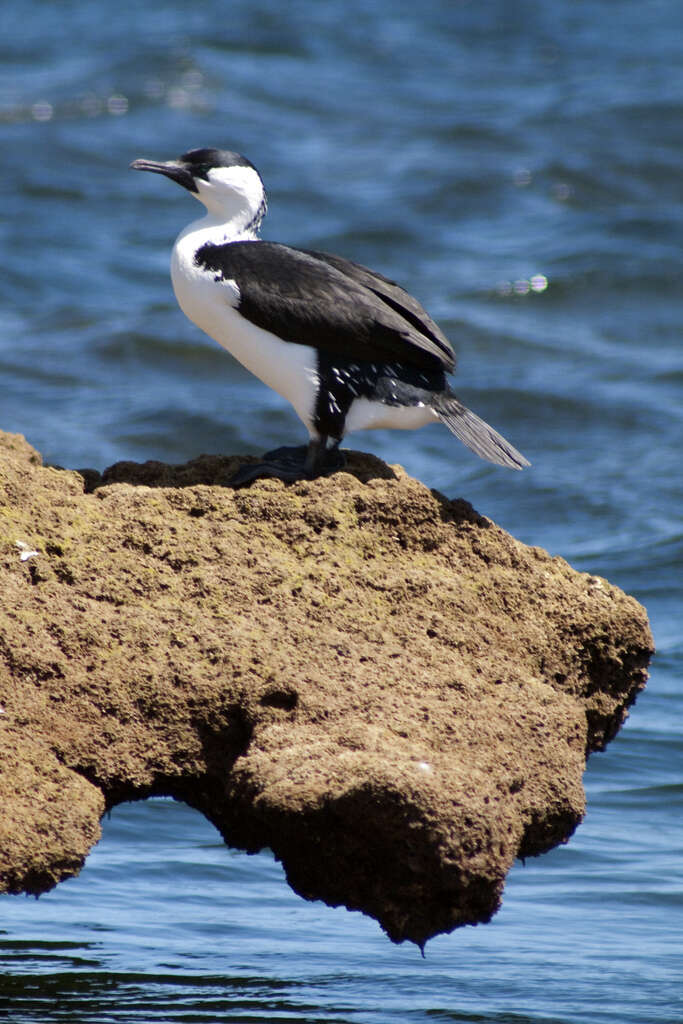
(330, 303)
(405, 304)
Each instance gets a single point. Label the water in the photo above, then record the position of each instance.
(473, 152)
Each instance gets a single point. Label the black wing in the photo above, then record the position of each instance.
(405, 304)
(329, 303)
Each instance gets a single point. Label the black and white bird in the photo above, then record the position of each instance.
(350, 349)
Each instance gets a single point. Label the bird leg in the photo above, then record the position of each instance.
(289, 464)
(315, 454)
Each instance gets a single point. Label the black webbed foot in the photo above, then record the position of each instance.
(290, 464)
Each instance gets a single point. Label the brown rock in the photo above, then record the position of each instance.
(377, 683)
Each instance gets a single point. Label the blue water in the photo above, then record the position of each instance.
(474, 152)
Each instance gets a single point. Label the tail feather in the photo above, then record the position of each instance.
(482, 439)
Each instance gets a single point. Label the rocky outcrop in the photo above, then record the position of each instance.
(377, 683)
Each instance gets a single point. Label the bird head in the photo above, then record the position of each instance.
(226, 183)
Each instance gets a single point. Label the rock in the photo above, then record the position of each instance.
(379, 684)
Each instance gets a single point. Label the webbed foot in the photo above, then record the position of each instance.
(292, 463)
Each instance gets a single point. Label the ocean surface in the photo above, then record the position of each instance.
(518, 166)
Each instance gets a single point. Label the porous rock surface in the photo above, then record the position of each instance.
(377, 683)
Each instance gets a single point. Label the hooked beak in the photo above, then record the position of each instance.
(176, 170)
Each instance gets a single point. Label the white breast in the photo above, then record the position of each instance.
(287, 368)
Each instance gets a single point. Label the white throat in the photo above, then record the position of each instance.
(235, 202)
(214, 228)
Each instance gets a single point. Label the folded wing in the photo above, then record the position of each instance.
(330, 303)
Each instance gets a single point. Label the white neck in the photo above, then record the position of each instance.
(213, 227)
(235, 203)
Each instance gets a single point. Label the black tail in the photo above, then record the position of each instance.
(484, 441)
